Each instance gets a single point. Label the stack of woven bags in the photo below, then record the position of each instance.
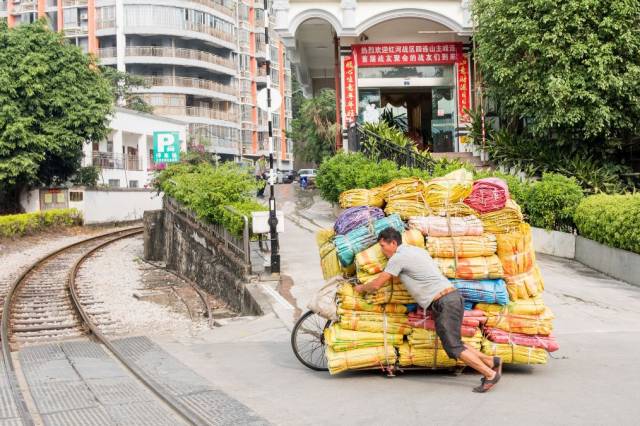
(476, 234)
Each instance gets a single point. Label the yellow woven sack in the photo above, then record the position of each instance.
(421, 338)
(484, 245)
(361, 197)
(451, 188)
(527, 324)
(430, 358)
(378, 356)
(348, 299)
(372, 316)
(471, 268)
(329, 261)
(324, 236)
(440, 226)
(402, 188)
(533, 306)
(515, 354)
(343, 340)
(354, 323)
(526, 285)
(502, 221)
(515, 250)
(406, 208)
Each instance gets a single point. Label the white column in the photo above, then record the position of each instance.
(120, 38)
(143, 155)
(87, 154)
(281, 12)
(117, 148)
(348, 14)
(465, 5)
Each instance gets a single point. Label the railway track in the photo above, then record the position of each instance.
(45, 305)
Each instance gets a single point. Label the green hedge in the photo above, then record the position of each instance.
(611, 219)
(206, 190)
(28, 223)
(551, 202)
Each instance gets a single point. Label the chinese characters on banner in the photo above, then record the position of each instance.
(389, 54)
(350, 90)
(464, 101)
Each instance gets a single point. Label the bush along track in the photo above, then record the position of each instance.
(16, 225)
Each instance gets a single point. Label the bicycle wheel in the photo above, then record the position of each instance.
(307, 341)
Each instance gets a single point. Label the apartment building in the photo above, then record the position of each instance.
(203, 62)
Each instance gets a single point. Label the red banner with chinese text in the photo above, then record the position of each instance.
(390, 54)
(464, 95)
(350, 90)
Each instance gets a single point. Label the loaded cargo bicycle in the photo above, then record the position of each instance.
(477, 236)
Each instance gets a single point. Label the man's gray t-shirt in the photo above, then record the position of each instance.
(418, 272)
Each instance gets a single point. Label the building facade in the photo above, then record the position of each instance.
(202, 60)
(406, 58)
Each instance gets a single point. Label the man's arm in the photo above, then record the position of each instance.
(374, 285)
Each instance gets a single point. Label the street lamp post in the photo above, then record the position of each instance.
(273, 219)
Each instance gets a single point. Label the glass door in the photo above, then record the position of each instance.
(442, 119)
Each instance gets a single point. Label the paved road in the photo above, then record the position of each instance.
(593, 380)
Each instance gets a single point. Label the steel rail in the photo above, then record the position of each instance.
(9, 367)
(180, 408)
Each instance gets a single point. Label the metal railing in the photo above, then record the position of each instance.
(182, 53)
(189, 26)
(191, 111)
(72, 3)
(376, 148)
(25, 6)
(194, 82)
(102, 24)
(213, 5)
(111, 160)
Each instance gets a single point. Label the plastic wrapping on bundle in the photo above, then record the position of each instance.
(402, 188)
(361, 197)
(378, 356)
(439, 226)
(407, 208)
(355, 217)
(504, 220)
(471, 268)
(328, 255)
(364, 237)
(526, 285)
(340, 339)
(483, 291)
(394, 293)
(470, 322)
(515, 250)
(451, 188)
(519, 323)
(348, 299)
(428, 339)
(515, 354)
(465, 246)
(373, 260)
(496, 335)
(375, 323)
(488, 195)
(533, 306)
(430, 358)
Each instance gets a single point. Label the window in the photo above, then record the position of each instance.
(133, 184)
(76, 196)
(114, 183)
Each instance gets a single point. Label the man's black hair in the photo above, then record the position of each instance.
(390, 234)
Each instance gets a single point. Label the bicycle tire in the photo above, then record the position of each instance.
(320, 345)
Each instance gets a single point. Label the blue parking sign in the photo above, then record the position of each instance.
(166, 147)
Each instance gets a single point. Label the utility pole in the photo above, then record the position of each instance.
(273, 219)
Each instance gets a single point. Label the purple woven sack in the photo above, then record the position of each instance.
(355, 217)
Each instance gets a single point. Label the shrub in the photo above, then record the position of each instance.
(611, 220)
(206, 190)
(28, 223)
(551, 202)
(87, 176)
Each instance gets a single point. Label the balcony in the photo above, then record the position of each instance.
(103, 24)
(74, 3)
(170, 52)
(25, 7)
(181, 111)
(144, 26)
(110, 160)
(216, 6)
(75, 31)
(191, 82)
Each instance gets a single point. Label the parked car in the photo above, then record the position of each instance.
(308, 176)
(289, 176)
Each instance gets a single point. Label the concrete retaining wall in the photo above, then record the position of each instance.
(117, 205)
(559, 244)
(191, 248)
(621, 264)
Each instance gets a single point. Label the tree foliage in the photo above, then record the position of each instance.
(123, 85)
(53, 98)
(314, 127)
(570, 68)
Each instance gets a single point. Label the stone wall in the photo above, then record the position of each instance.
(192, 249)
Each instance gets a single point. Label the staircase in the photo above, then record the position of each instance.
(465, 157)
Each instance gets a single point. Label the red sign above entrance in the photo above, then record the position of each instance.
(400, 54)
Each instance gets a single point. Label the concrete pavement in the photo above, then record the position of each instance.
(593, 378)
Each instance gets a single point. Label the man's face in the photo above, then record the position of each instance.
(388, 248)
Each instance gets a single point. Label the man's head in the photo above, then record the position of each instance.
(389, 240)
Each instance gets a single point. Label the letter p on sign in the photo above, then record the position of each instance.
(166, 147)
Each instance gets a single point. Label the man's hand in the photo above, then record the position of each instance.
(362, 288)
(374, 285)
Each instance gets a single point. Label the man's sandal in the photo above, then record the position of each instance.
(487, 385)
(497, 365)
